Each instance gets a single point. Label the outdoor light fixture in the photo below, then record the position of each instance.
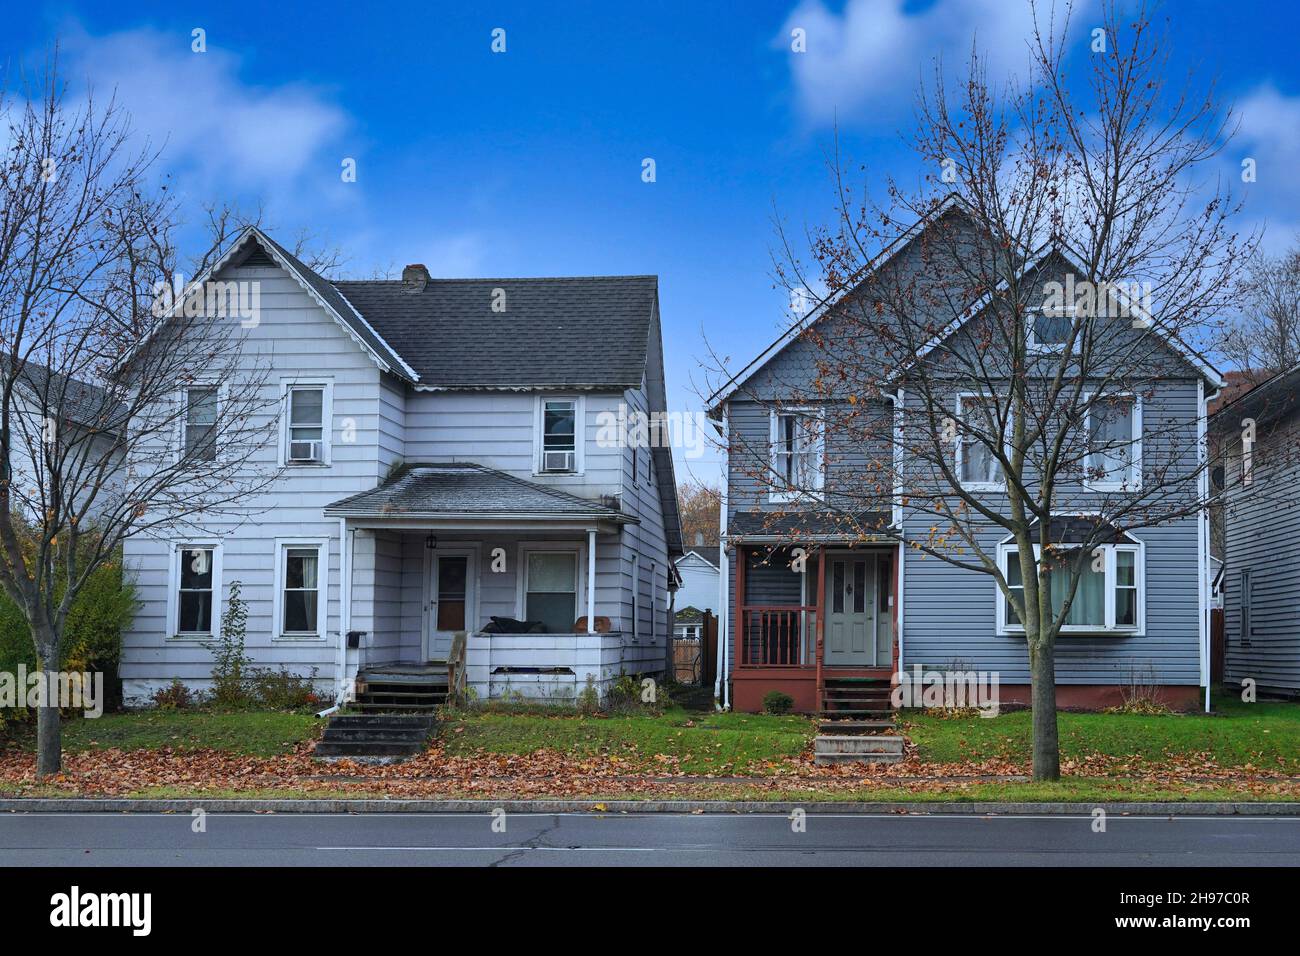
(431, 542)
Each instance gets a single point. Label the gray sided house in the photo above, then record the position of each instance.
(439, 468)
(698, 592)
(1260, 495)
(860, 612)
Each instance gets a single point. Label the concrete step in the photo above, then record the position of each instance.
(412, 735)
(823, 760)
(859, 744)
(423, 722)
(360, 749)
(842, 727)
(387, 707)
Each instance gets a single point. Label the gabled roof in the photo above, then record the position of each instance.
(722, 394)
(467, 489)
(699, 555)
(588, 332)
(79, 402)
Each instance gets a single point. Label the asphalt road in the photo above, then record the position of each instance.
(30, 839)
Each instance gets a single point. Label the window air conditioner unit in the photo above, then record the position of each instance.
(557, 461)
(305, 450)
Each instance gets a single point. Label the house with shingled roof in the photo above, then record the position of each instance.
(445, 497)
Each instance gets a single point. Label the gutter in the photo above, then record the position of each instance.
(720, 686)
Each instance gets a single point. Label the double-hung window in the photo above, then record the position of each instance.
(1108, 599)
(200, 423)
(798, 459)
(306, 424)
(195, 601)
(559, 425)
(1114, 457)
(300, 589)
(551, 589)
(977, 465)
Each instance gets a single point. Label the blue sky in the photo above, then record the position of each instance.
(529, 162)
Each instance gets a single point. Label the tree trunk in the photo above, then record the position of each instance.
(1042, 675)
(49, 738)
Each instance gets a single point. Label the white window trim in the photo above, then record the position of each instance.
(774, 418)
(322, 579)
(1246, 621)
(580, 571)
(1033, 346)
(183, 403)
(960, 442)
(174, 587)
(636, 597)
(327, 420)
(1135, 446)
(1137, 546)
(579, 434)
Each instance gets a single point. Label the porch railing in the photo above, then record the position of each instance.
(777, 635)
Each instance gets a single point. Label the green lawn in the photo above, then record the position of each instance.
(258, 733)
(1264, 735)
(704, 742)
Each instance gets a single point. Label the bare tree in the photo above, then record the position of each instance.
(109, 418)
(1265, 339)
(977, 382)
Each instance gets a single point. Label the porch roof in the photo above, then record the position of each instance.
(469, 490)
(764, 526)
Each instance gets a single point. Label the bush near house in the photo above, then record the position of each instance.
(94, 630)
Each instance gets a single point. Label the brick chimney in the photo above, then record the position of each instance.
(414, 278)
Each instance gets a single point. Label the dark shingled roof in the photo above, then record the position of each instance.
(811, 523)
(339, 304)
(78, 401)
(562, 333)
(465, 488)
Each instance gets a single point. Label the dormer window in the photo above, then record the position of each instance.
(559, 450)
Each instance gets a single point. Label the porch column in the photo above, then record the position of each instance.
(591, 581)
(820, 646)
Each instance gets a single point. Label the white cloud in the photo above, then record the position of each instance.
(219, 133)
(872, 56)
(1270, 135)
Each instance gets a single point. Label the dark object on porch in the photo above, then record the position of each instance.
(508, 625)
(568, 671)
(375, 738)
(602, 625)
(354, 639)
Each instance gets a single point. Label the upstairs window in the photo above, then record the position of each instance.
(1048, 330)
(306, 441)
(1114, 425)
(798, 454)
(977, 467)
(558, 421)
(200, 440)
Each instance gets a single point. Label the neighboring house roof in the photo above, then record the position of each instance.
(566, 333)
(783, 525)
(689, 615)
(465, 489)
(1235, 385)
(1271, 397)
(700, 555)
(79, 402)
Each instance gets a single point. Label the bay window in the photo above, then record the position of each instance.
(1109, 597)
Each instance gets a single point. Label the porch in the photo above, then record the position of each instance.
(532, 583)
(818, 625)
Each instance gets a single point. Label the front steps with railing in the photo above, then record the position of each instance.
(857, 723)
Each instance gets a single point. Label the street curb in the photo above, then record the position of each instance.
(115, 805)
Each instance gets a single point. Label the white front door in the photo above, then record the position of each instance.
(451, 604)
(851, 610)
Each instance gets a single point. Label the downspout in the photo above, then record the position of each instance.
(1203, 533)
(721, 693)
(345, 608)
(897, 518)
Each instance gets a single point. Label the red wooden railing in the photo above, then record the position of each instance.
(777, 635)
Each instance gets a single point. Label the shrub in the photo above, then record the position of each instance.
(589, 698)
(92, 636)
(777, 702)
(282, 690)
(231, 665)
(175, 696)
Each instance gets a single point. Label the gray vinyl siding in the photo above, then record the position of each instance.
(1262, 535)
(294, 340)
(379, 423)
